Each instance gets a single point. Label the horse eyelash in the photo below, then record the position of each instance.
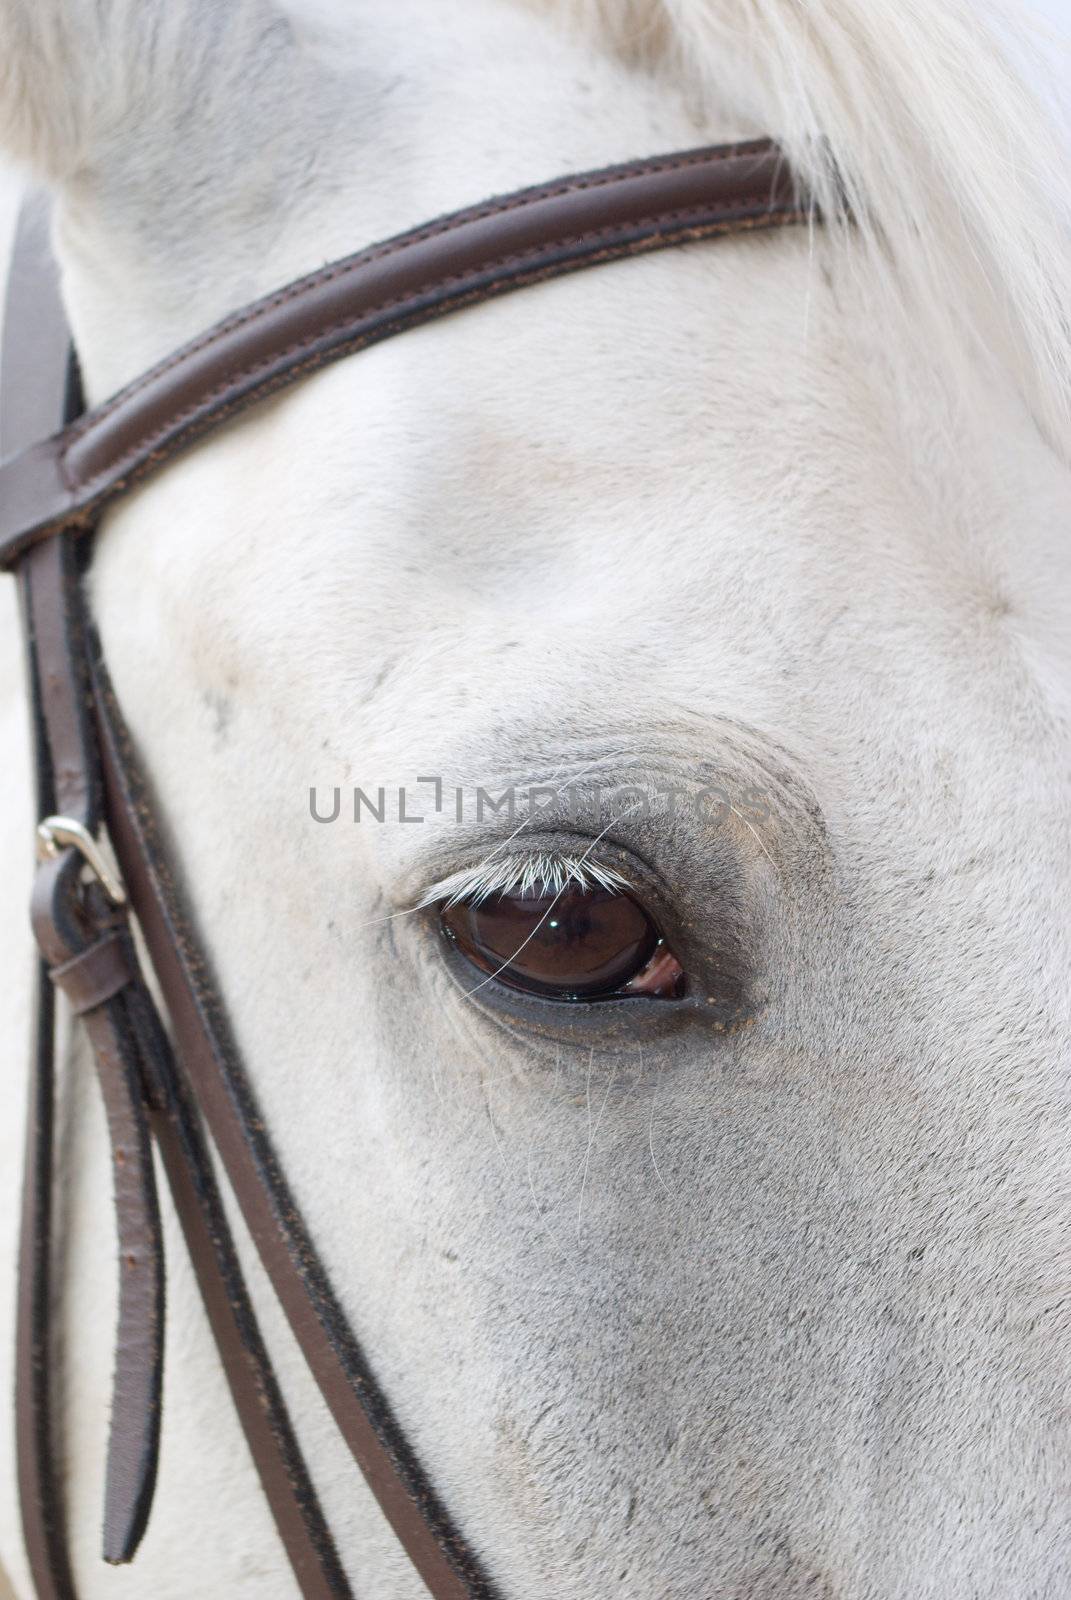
(541, 874)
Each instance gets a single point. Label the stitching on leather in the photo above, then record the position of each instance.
(433, 230)
(137, 469)
(500, 263)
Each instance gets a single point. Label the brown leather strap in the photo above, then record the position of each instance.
(95, 975)
(226, 1101)
(69, 932)
(128, 1042)
(41, 1504)
(32, 404)
(254, 1388)
(71, 923)
(469, 256)
(134, 1060)
(94, 961)
(258, 1400)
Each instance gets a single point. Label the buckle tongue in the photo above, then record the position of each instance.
(55, 834)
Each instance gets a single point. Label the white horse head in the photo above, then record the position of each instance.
(756, 554)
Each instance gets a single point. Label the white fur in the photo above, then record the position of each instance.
(767, 1310)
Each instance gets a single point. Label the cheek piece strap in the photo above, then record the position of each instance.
(101, 861)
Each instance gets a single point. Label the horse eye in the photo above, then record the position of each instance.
(577, 944)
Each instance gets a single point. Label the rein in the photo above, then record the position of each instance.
(185, 1088)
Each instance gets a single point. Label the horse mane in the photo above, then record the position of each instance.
(932, 118)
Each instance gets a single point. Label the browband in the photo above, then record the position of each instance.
(63, 466)
(64, 481)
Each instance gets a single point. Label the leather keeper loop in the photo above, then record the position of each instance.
(97, 974)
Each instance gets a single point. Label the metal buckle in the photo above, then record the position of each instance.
(56, 834)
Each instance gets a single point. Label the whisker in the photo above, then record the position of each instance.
(373, 922)
(754, 831)
(650, 1131)
(592, 1135)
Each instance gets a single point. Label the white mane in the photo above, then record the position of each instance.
(932, 116)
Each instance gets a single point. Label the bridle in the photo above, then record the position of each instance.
(63, 466)
(180, 1088)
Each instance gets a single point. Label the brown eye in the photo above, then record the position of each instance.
(581, 943)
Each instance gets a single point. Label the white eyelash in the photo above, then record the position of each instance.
(544, 874)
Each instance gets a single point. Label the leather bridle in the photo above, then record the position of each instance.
(182, 1087)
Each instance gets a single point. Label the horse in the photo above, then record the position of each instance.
(748, 1278)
